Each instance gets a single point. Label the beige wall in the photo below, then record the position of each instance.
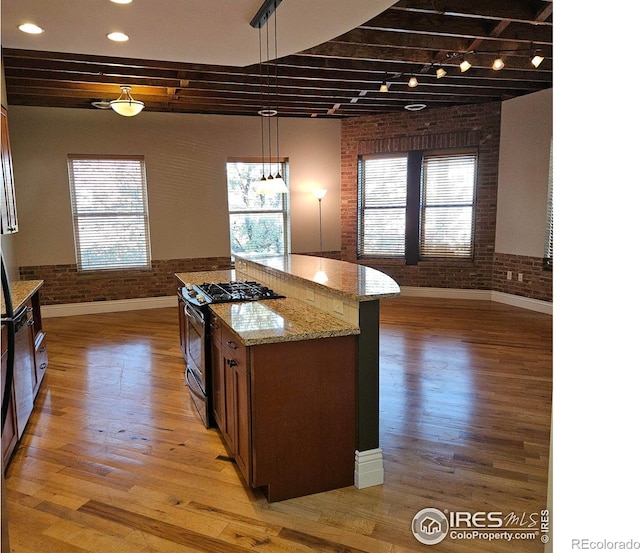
(185, 157)
(525, 145)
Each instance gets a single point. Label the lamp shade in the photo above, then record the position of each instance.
(272, 185)
(320, 193)
(125, 104)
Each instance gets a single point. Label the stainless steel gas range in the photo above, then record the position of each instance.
(195, 323)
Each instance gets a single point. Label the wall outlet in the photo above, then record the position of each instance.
(519, 277)
(509, 275)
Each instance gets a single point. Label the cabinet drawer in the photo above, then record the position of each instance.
(234, 348)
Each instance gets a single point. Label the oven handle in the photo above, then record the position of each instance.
(195, 316)
(196, 391)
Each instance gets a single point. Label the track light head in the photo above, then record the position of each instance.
(497, 64)
(413, 82)
(384, 87)
(440, 72)
(536, 60)
(464, 65)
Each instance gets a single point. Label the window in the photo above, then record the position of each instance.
(448, 190)
(417, 205)
(110, 213)
(382, 185)
(259, 223)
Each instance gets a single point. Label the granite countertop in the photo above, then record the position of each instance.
(280, 320)
(21, 291)
(357, 282)
(273, 320)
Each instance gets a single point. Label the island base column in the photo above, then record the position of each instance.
(369, 469)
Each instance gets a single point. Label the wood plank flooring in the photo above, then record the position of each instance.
(115, 458)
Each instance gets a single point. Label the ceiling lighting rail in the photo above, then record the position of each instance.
(461, 59)
(264, 13)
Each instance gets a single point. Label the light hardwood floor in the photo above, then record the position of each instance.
(115, 458)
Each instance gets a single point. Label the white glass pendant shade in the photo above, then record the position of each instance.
(125, 105)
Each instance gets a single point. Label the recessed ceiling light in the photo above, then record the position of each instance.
(415, 107)
(31, 28)
(118, 37)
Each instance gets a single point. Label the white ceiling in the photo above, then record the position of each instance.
(214, 32)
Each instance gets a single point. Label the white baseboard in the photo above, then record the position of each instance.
(463, 294)
(526, 303)
(369, 470)
(85, 308)
(450, 293)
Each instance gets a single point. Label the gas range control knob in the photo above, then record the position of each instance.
(200, 298)
(189, 286)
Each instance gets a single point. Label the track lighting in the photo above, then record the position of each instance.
(384, 87)
(497, 64)
(413, 82)
(536, 60)
(464, 65)
(440, 72)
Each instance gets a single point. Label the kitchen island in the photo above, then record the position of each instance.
(295, 379)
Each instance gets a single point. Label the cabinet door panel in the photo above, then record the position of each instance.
(7, 198)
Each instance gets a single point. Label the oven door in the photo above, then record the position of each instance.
(195, 338)
(196, 353)
(197, 394)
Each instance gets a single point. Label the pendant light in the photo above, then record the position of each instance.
(271, 184)
(125, 104)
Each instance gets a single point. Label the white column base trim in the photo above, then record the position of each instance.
(369, 469)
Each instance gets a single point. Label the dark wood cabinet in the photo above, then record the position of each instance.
(286, 411)
(10, 430)
(182, 320)
(29, 368)
(218, 377)
(236, 430)
(8, 210)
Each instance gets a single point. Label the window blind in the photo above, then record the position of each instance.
(448, 191)
(383, 203)
(110, 213)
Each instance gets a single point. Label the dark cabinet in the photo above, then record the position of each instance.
(10, 430)
(29, 367)
(182, 320)
(286, 411)
(9, 214)
(236, 430)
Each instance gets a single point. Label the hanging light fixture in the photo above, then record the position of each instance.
(464, 65)
(440, 72)
(125, 104)
(271, 184)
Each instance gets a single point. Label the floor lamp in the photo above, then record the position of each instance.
(320, 193)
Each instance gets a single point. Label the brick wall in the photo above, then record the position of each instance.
(476, 126)
(537, 282)
(64, 284)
